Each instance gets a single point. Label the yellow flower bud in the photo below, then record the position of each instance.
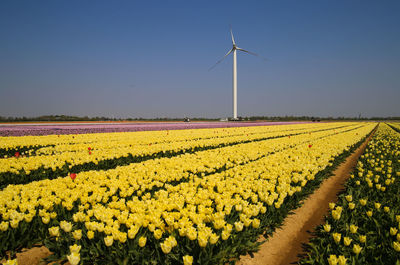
(332, 260)
(108, 241)
(187, 260)
(74, 248)
(158, 233)
(74, 258)
(166, 247)
(357, 249)
(239, 226)
(337, 237)
(77, 234)
(213, 239)
(142, 241)
(90, 234)
(347, 241)
(54, 231)
(202, 239)
(327, 227)
(342, 260)
(255, 223)
(396, 246)
(225, 235)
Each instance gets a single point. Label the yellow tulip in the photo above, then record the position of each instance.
(342, 260)
(356, 249)
(77, 234)
(337, 237)
(353, 229)
(187, 260)
(327, 227)
(90, 234)
(347, 241)
(396, 246)
(108, 241)
(142, 241)
(166, 247)
(332, 260)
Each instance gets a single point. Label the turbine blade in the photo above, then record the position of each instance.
(221, 59)
(252, 53)
(233, 40)
(243, 50)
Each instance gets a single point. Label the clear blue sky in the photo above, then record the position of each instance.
(151, 58)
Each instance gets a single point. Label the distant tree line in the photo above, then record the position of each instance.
(308, 118)
(54, 118)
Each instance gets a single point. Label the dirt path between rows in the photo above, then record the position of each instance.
(284, 246)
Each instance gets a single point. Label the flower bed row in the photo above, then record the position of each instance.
(363, 226)
(51, 144)
(209, 219)
(394, 126)
(25, 170)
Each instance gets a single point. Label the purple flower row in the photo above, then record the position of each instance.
(80, 128)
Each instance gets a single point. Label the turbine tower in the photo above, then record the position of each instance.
(234, 74)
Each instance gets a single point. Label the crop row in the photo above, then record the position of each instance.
(27, 169)
(394, 126)
(51, 144)
(210, 218)
(363, 226)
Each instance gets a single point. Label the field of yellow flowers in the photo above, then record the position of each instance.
(162, 197)
(363, 227)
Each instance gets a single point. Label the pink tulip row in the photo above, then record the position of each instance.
(80, 128)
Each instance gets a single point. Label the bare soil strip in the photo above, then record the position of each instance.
(284, 246)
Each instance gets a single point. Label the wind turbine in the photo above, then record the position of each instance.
(234, 75)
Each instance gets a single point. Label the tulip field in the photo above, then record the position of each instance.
(363, 227)
(196, 196)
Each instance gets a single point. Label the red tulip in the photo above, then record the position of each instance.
(89, 148)
(90, 153)
(72, 176)
(309, 145)
(17, 154)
